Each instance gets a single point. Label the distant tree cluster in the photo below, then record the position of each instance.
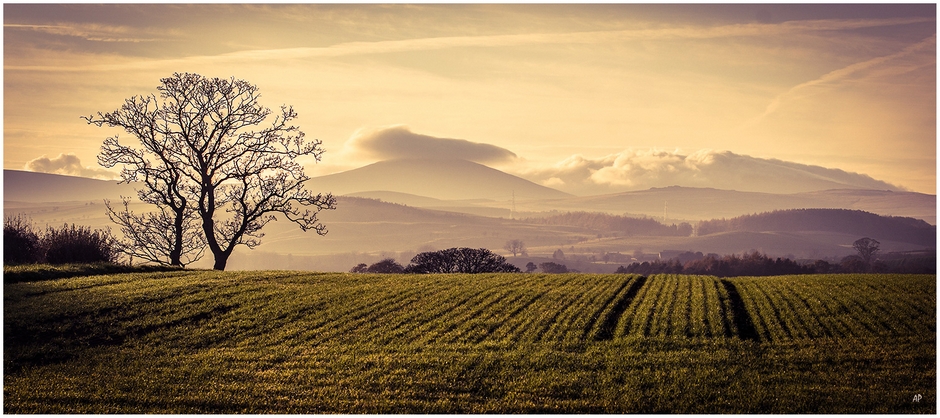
(553, 268)
(452, 260)
(757, 264)
(754, 264)
(23, 244)
(612, 223)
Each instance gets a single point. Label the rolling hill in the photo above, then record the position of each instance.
(362, 229)
(692, 204)
(438, 179)
(28, 186)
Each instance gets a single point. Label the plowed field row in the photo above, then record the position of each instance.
(298, 342)
(564, 309)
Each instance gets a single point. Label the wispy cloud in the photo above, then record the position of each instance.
(435, 43)
(840, 74)
(94, 32)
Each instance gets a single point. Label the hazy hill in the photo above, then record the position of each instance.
(690, 203)
(362, 230)
(438, 179)
(470, 206)
(28, 186)
(843, 221)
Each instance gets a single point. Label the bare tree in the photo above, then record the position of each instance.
(167, 236)
(515, 246)
(199, 137)
(867, 248)
(163, 236)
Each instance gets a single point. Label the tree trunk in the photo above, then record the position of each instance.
(176, 254)
(220, 260)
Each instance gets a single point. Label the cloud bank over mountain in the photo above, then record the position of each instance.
(638, 169)
(67, 164)
(396, 142)
(631, 169)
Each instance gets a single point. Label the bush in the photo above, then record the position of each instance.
(554, 268)
(20, 243)
(387, 265)
(78, 244)
(360, 268)
(460, 260)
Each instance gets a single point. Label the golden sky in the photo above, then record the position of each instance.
(626, 95)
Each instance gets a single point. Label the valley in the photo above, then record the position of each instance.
(368, 226)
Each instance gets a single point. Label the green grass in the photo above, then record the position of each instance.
(292, 342)
(36, 272)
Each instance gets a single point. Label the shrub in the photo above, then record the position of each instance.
(20, 242)
(460, 260)
(555, 268)
(387, 265)
(78, 244)
(360, 268)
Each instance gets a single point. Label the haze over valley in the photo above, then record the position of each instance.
(370, 225)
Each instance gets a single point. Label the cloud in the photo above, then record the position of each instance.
(67, 164)
(399, 142)
(635, 169)
(90, 32)
(842, 73)
(343, 49)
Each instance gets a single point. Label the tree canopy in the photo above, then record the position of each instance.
(210, 168)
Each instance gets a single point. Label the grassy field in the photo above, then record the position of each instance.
(296, 342)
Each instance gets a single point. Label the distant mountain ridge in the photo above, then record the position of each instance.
(29, 186)
(691, 203)
(447, 179)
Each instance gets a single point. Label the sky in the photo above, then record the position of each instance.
(588, 99)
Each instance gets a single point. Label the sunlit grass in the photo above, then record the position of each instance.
(290, 342)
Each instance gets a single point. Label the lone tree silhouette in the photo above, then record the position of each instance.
(515, 246)
(206, 165)
(867, 248)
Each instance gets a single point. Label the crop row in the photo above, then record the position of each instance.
(290, 309)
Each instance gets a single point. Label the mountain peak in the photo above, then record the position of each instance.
(448, 179)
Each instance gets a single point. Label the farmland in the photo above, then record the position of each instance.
(299, 342)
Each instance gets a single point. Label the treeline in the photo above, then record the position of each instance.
(853, 222)
(754, 264)
(757, 264)
(452, 260)
(613, 223)
(24, 244)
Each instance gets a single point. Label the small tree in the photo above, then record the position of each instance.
(554, 268)
(202, 159)
(530, 267)
(388, 266)
(867, 248)
(515, 246)
(360, 268)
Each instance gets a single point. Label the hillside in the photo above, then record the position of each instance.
(438, 179)
(842, 221)
(361, 230)
(691, 204)
(28, 186)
